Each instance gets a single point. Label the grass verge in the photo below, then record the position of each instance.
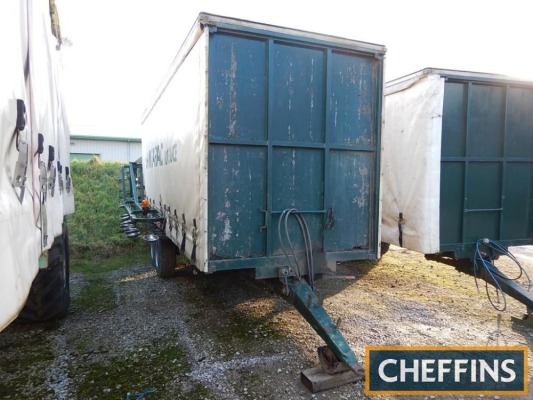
(94, 228)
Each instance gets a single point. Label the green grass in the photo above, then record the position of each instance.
(94, 228)
(90, 267)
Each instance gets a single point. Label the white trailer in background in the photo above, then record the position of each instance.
(457, 162)
(35, 184)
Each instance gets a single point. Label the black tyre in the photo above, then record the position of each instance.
(163, 254)
(49, 295)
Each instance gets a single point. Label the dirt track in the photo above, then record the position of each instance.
(225, 337)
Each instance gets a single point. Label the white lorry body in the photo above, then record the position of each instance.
(222, 161)
(35, 184)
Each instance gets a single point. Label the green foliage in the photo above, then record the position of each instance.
(94, 228)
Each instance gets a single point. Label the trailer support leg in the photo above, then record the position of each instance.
(308, 304)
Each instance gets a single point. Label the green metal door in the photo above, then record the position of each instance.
(291, 125)
(487, 165)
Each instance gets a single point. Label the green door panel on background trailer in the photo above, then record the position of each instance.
(292, 124)
(487, 164)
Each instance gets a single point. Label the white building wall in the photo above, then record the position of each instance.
(107, 149)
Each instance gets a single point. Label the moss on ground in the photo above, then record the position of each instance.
(25, 368)
(238, 327)
(98, 293)
(161, 365)
(250, 326)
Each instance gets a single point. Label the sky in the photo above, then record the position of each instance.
(120, 49)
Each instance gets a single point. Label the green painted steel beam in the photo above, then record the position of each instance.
(307, 303)
(509, 286)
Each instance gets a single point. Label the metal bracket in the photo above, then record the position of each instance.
(67, 174)
(284, 274)
(184, 234)
(52, 180)
(51, 170)
(21, 167)
(401, 223)
(43, 181)
(175, 223)
(60, 177)
(194, 236)
(170, 220)
(44, 226)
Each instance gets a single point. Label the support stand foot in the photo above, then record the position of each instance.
(527, 318)
(316, 380)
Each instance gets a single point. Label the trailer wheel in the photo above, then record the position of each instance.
(163, 254)
(49, 295)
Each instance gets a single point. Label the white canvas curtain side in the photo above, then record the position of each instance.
(411, 152)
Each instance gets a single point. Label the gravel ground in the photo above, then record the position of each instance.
(224, 336)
